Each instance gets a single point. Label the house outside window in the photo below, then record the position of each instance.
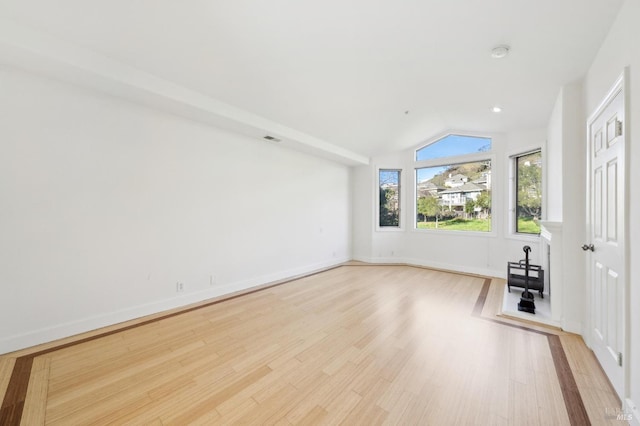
(452, 194)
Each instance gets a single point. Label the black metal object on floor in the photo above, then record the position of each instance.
(516, 276)
(526, 303)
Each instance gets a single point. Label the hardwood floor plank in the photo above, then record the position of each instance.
(110, 380)
(34, 411)
(595, 390)
(271, 409)
(6, 367)
(524, 403)
(572, 399)
(235, 415)
(315, 416)
(209, 402)
(367, 412)
(548, 390)
(398, 404)
(340, 406)
(15, 395)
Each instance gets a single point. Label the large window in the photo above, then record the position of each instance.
(528, 188)
(389, 189)
(452, 194)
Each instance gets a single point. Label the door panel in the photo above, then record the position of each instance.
(612, 201)
(597, 194)
(597, 142)
(613, 320)
(598, 298)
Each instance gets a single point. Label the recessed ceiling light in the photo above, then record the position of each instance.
(500, 52)
(496, 109)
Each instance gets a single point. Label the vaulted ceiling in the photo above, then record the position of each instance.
(366, 77)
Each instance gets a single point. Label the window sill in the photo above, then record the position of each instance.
(532, 238)
(389, 229)
(491, 234)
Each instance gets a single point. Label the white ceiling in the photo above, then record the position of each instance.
(346, 71)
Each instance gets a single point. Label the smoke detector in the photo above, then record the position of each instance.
(500, 52)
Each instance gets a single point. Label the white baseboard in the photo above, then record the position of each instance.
(434, 265)
(60, 331)
(363, 259)
(633, 410)
(487, 272)
(572, 326)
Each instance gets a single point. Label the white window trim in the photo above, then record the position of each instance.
(459, 159)
(511, 233)
(376, 197)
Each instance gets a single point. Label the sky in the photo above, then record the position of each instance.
(389, 176)
(429, 172)
(449, 146)
(453, 145)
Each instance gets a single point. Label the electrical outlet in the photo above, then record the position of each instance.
(179, 287)
(212, 279)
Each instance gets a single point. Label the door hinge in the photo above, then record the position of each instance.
(620, 359)
(618, 128)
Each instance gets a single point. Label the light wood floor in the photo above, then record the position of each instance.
(353, 345)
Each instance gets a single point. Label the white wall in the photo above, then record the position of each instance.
(460, 251)
(362, 218)
(553, 183)
(566, 198)
(573, 207)
(619, 50)
(105, 205)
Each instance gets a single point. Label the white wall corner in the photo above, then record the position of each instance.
(365, 259)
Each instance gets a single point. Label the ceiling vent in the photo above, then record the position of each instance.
(271, 138)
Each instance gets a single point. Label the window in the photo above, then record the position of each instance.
(453, 145)
(528, 192)
(389, 188)
(454, 195)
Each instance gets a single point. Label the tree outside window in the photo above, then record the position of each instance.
(389, 197)
(429, 207)
(528, 192)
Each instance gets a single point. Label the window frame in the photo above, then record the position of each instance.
(453, 160)
(400, 227)
(513, 193)
(440, 138)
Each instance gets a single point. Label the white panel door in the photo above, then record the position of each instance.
(606, 248)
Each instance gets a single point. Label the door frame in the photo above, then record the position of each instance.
(621, 86)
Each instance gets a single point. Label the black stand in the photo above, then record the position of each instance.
(526, 301)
